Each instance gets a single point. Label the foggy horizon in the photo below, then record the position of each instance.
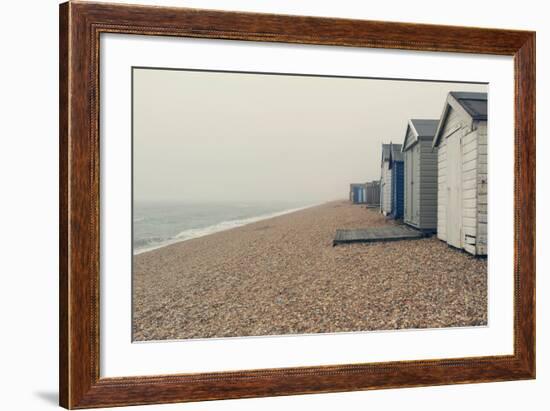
(239, 137)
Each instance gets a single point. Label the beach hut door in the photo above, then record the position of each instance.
(410, 200)
(454, 191)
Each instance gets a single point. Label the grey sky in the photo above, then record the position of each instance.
(202, 136)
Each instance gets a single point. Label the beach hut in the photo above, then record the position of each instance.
(385, 181)
(391, 181)
(372, 192)
(357, 194)
(420, 186)
(461, 142)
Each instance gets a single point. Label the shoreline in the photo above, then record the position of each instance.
(249, 220)
(282, 276)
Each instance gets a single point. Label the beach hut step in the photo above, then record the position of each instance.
(373, 234)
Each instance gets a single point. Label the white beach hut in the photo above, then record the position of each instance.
(461, 142)
(420, 175)
(391, 182)
(385, 181)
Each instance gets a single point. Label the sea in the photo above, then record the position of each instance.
(158, 224)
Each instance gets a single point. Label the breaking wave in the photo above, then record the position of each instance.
(153, 243)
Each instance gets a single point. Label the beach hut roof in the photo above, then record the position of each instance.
(475, 104)
(421, 128)
(472, 104)
(424, 128)
(391, 152)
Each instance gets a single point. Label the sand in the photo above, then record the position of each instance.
(283, 276)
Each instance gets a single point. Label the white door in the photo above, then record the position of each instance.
(454, 191)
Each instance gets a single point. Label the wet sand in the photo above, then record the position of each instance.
(283, 276)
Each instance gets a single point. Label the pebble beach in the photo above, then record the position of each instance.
(283, 276)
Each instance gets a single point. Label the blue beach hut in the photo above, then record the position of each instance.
(358, 193)
(398, 179)
(391, 182)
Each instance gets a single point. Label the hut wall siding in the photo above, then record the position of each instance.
(415, 151)
(469, 191)
(407, 186)
(453, 124)
(410, 172)
(442, 190)
(382, 184)
(409, 138)
(473, 160)
(385, 187)
(372, 190)
(481, 243)
(428, 185)
(422, 211)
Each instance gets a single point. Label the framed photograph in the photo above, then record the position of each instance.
(258, 205)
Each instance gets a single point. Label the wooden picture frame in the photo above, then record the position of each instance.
(80, 27)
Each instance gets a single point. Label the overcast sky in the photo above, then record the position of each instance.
(203, 136)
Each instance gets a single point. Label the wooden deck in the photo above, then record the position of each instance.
(369, 235)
